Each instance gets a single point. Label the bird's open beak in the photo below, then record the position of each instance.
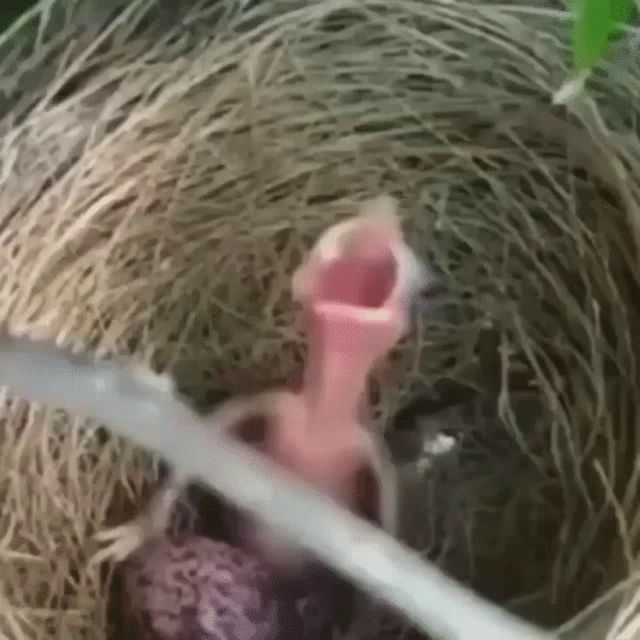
(356, 289)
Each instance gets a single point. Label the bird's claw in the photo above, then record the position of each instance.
(129, 537)
(123, 539)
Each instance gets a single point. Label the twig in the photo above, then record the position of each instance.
(152, 418)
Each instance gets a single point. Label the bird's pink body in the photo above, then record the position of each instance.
(354, 291)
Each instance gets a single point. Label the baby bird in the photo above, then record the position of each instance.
(355, 291)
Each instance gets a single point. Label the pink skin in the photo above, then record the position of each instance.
(353, 318)
(354, 311)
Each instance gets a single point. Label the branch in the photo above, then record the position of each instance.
(126, 402)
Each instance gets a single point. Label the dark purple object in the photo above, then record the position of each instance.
(195, 588)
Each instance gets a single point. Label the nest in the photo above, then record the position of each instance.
(164, 167)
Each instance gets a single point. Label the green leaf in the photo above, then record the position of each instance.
(595, 21)
(591, 29)
(621, 10)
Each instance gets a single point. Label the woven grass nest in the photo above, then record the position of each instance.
(165, 166)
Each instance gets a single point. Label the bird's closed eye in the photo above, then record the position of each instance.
(253, 430)
(368, 496)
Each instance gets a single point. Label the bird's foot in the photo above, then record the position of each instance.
(122, 540)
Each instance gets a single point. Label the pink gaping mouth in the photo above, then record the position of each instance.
(358, 281)
(354, 265)
(354, 287)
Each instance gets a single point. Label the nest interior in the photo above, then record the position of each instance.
(164, 166)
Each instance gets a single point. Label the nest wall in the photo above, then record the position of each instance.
(164, 169)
